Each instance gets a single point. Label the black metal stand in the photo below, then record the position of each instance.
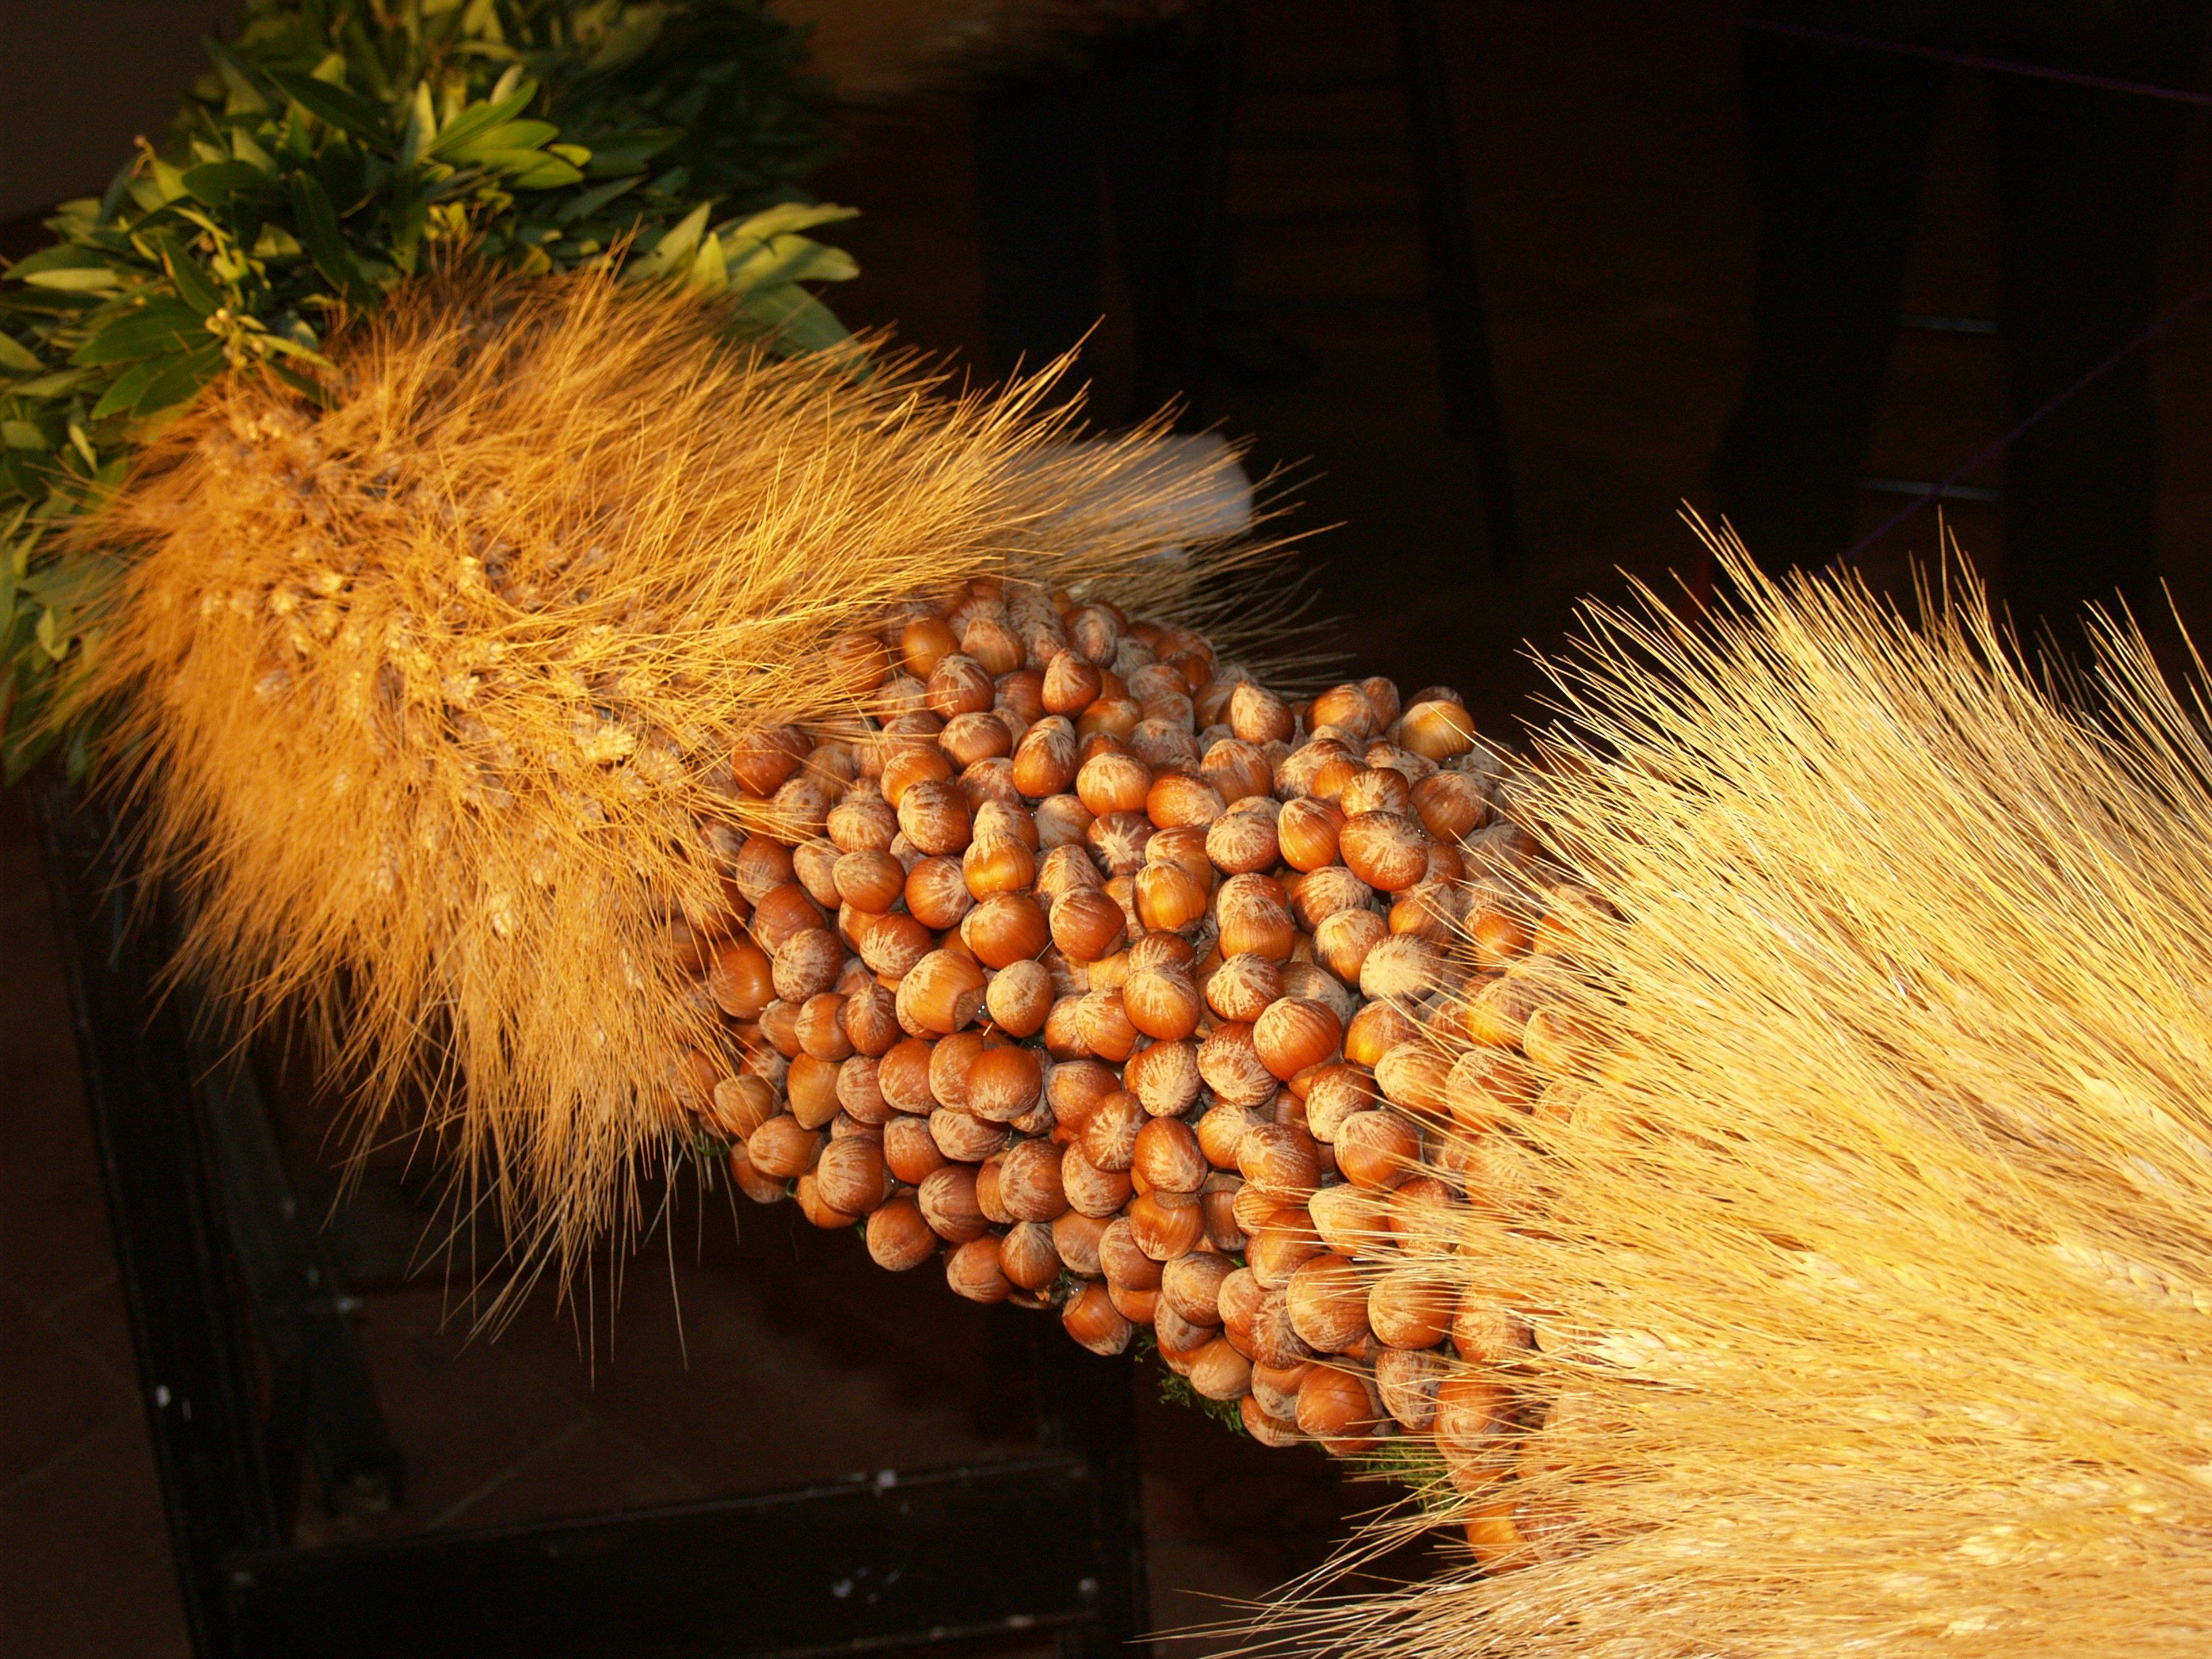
(219, 1273)
(1453, 290)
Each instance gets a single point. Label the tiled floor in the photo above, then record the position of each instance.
(1604, 167)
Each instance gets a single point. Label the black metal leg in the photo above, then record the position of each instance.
(326, 1401)
(1212, 253)
(165, 1222)
(1470, 384)
(1084, 1406)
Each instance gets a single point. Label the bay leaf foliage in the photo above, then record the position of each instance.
(336, 148)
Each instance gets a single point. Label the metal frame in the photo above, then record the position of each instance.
(1453, 290)
(221, 1284)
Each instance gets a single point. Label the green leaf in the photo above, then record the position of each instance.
(509, 135)
(245, 150)
(194, 286)
(23, 435)
(51, 386)
(788, 217)
(62, 255)
(77, 279)
(584, 205)
(630, 152)
(414, 138)
(674, 251)
(789, 259)
(215, 182)
(128, 387)
(477, 119)
(355, 117)
(325, 244)
(243, 97)
(793, 318)
(168, 180)
(181, 380)
(527, 169)
(709, 272)
(15, 355)
(160, 325)
(55, 630)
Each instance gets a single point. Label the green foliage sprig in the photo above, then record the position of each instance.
(334, 148)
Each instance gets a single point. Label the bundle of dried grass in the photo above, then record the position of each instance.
(429, 691)
(1869, 1256)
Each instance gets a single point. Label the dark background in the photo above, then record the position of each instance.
(1607, 174)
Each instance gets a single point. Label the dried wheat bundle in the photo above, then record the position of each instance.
(431, 689)
(1848, 1261)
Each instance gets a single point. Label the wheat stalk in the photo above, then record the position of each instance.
(429, 691)
(1870, 1264)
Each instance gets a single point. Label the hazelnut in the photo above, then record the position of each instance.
(1091, 1189)
(1451, 806)
(1281, 1157)
(963, 1137)
(973, 1270)
(946, 1199)
(1006, 928)
(1407, 1381)
(1018, 997)
(1165, 1157)
(1072, 683)
(902, 1076)
(860, 1094)
(1232, 1068)
(849, 1175)
(1165, 1224)
(1387, 850)
(940, 993)
(1435, 731)
(1003, 1083)
(782, 1149)
(936, 818)
(1162, 1003)
(869, 879)
(1327, 1301)
(910, 1151)
(1126, 1265)
(1164, 1076)
(1029, 1183)
(740, 979)
(1410, 1309)
(1027, 1257)
(1169, 898)
(1340, 1409)
(1075, 1236)
(1294, 1034)
(1377, 1150)
(1092, 1319)
(1086, 924)
(806, 965)
(1219, 1372)
(1191, 1285)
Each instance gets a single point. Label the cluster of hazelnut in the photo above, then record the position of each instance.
(1115, 981)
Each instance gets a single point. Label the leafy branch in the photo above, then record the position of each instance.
(334, 148)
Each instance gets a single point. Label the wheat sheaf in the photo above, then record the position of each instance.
(1862, 1262)
(428, 693)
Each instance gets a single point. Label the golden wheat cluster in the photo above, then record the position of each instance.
(431, 689)
(1854, 1267)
